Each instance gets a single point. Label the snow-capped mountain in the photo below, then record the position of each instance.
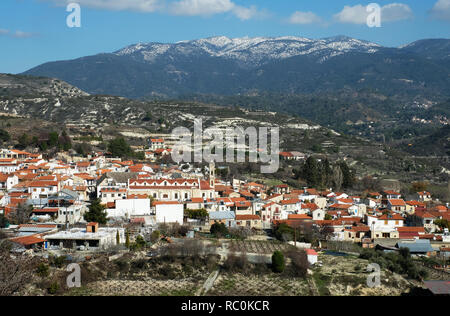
(252, 51)
(227, 66)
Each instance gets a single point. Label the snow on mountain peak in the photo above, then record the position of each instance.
(253, 50)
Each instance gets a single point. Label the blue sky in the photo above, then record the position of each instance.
(35, 31)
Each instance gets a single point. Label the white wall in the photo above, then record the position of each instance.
(169, 213)
(130, 207)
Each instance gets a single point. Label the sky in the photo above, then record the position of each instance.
(36, 31)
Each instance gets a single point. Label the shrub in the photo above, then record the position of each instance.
(278, 263)
(300, 262)
(219, 229)
(155, 236)
(53, 288)
(59, 261)
(43, 270)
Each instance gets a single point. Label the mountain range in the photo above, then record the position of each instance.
(249, 66)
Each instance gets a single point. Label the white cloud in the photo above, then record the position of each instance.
(441, 10)
(173, 7)
(21, 34)
(16, 34)
(212, 7)
(396, 12)
(117, 5)
(247, 13)
(299, 17)
(201, 7)
(389, 13)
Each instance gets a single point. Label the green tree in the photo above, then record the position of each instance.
(418, 186)
(3, 221)
(278, 263)
(348, 178)
(197, 214)
(96, 213)
(148, 117)
(284, 232)
(53, 139)
(24, 141)
(219, 229)
(118, 147)
(311, 172)
(127, 239)
(21, 215)
(117, 238)
(442, 223)
(4, 136)
(154, 237)
(43, 146)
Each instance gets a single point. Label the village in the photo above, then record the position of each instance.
(86, 206)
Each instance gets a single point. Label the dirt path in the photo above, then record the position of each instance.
(208, 283)
(313, 287)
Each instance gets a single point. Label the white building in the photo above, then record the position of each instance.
(169, 212)
(130, 208)
(88, 238)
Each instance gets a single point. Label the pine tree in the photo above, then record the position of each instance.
(96, 213)
(127, 239)
(311, 172)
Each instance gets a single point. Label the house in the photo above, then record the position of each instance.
(298, 155)
(357, 233)
(385, 226)
(9, 165)
(29, 242)
(156, 143)
(90, 237)
(286, 155)
(312, 256)
(111, 194)
(114, 180)
(249, 221)
(172, 189)
(391, 195)
(42, 189)
(396, 205)
(282, 189)
(412, 205)
(318, 214)
(410, 232)
(424, 196)
(225, 217)
(168, 211)
(127, 208)
(426, 219)
(291, 206)
(243, 208)
(195, 204)
(418, 247)
(7, 181)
